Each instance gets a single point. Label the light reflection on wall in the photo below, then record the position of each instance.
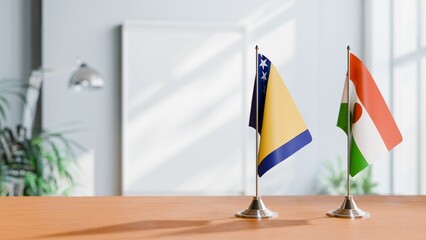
(185, 136)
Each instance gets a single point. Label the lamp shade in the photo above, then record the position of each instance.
(86, 77)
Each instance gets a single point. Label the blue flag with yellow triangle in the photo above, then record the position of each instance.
(281, 127)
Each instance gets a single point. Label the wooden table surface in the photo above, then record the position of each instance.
(300, 217)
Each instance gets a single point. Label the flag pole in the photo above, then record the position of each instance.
(348, 60)
(348, 209)
(257, 121)
(257, 208)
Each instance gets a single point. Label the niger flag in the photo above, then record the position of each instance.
(374, 131)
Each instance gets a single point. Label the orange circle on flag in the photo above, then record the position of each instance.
(357, 112)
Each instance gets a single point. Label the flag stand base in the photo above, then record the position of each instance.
(348, 209)
(257, 209)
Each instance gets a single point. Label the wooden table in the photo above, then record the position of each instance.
(301, 217)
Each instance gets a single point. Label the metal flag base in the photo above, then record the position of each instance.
(348, 209)
(257, 209)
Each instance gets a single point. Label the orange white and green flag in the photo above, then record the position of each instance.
(374, 131)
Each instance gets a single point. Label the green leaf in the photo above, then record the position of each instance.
(20, 95)
(31, 182)
(2, 113)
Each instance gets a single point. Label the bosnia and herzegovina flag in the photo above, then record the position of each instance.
(374, 131)
(282, 129)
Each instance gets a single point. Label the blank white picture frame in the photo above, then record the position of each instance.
(184, 111)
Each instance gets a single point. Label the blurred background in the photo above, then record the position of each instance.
(172, 116)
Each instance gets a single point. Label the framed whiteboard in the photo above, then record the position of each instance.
(183, 109)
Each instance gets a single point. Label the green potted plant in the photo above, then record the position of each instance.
(37, 165)
(333, 181)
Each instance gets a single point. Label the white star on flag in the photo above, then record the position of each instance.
(263, 76)
(263, 63)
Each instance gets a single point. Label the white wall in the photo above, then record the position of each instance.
(305, 39)
(340, 23)
(15, 47)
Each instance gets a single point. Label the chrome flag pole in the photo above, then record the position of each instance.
(348, 209)
(257, 208)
